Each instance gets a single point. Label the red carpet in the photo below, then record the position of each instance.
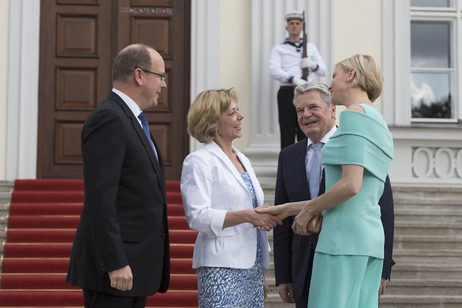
(41, 227)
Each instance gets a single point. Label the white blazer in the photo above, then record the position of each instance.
(210, 187)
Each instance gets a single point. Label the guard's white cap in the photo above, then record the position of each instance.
(294, 15)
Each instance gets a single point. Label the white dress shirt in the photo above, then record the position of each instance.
(130, 103)
(285, 62)
(309, 151)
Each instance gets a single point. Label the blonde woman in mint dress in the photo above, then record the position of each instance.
(348, 260)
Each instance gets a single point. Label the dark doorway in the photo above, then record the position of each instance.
(78, 43)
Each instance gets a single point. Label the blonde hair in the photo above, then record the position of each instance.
(368, 77)
(206, 111)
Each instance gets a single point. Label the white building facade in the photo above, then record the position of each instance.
(417, 43)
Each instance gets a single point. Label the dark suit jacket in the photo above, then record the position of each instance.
(124, 217)
(293, 253)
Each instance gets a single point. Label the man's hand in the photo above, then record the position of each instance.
(383, 286)
(122, 278)
(286, 292)
(308, 63)
(299, 81)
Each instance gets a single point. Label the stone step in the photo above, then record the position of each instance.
(437, 287)
(5, 197)
(407, 270)
(427, 256)
(426, 271)
(4, 209)
(274, 301)
(427, 242)
(424, 301)
(427, 203)
(271, 281)
(412, 192)
(428, 228)
(391, 300)
(3, 222)
(6, 186)
(432, 215)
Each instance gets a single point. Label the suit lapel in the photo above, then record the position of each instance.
(214, 148)
(158, 165)
(139, 130)
(300, 170)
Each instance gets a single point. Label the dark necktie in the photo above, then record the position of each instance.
(315, 170)
(144, 123)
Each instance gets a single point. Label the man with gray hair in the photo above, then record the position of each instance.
(293, 253)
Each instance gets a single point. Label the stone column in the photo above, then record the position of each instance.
(268, 29)
(21, 156)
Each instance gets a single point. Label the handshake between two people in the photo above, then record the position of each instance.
(267, 217)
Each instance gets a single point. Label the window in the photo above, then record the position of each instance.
(432, 3)
(434, 53)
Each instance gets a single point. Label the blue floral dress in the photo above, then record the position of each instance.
(233, 287)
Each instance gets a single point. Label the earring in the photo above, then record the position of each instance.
(348, 79)
(216, 131)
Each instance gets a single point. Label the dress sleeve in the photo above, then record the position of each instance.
(360, 140)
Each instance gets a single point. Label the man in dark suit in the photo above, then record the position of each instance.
(293, 253)
(121, 248)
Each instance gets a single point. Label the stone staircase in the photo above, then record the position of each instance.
(6, 187)
(427, 250)
(427, 247)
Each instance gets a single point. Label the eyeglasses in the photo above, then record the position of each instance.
(162, 77)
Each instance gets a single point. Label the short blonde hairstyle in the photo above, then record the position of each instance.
(368, 77)
(206, 111)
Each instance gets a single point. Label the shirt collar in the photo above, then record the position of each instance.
(325, 138)
(129, 102)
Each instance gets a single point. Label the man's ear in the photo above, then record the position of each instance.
(138, 77)
(333, 108)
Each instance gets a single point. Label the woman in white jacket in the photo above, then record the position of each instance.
(220, 193)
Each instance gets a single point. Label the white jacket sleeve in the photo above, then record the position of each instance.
(316, 57)
(275, 66)
(196, 191)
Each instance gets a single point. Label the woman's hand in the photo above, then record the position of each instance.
(277, 211)
(264, 222)
(265, 288)
(301, 221)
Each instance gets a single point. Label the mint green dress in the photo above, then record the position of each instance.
(354, 228)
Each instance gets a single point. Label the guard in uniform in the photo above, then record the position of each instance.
(285, 65)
